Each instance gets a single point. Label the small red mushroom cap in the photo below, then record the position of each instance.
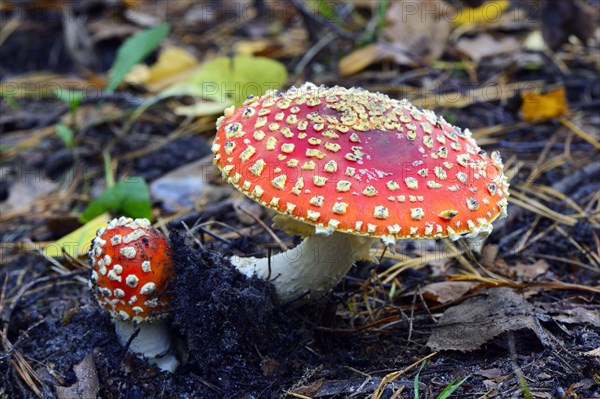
(362, 163)
(131, 268)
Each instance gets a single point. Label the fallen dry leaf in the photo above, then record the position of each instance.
(486, 45)
(86, 386)
(419, 27)
(289, 43)
(447, 291)
(309, 390)
(77, 243)
(542, 107)
(485, 13)
(416, 32)
(172, 60)
(474, 322)
(579, 315)
(530, 272)
(593, 353)
(490, 373)
(25, 191)
(138, 75)
(360, 59)
(174, 64)
(181, 187)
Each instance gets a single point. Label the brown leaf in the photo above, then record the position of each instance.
(486, 45)
(309, 390)
(471, 324)
(179, 188)
(447, 291)
(489, 373)
(25, 192)
(87, 386)
(579, 315)
(416, 32)
(530, 272)
(419, 27)
(360, 59)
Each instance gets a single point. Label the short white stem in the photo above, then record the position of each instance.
(152, 342)
(309, 270)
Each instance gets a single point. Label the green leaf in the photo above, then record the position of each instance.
(129, 197)
(450, 388)
(136, 202)
(134, 50)
(71, 97)
(226, 79)
(416, 382)
(65, 133)
(325, 9)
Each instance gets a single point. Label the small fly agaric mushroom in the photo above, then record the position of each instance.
(131, 269)
(345, 167)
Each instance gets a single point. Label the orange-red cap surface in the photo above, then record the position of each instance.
(131, 268)
(361, 163)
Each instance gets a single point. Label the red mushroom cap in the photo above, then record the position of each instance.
(361, 163)
(131, 268)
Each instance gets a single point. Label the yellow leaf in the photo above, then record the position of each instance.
(359, 59)
(171, 61)
(202, 108)
(541, 107)
(487, 12)
(138, 75)
(78, 242)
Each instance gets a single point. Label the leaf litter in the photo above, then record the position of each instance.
(541, 265)
(480, 319)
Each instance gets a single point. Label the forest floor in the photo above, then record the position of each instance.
(519, 318)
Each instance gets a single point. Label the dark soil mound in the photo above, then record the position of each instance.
(230, 324)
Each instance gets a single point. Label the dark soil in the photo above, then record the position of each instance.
(239, 343)
(235, 340)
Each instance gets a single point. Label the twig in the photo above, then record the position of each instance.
(13, 346)
(56, 266)
(580, 132)
(313, 51)
(264, 226)
(573, 180)
(210, 233)
(189, 232)
(208, 384)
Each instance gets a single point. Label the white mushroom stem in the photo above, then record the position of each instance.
(311, 269)
(153, 342)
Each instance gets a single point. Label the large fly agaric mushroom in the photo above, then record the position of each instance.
(345, 167)
(131, 269)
